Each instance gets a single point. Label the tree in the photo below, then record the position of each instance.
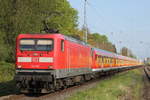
(101, 41)
(127, 52)
(26, 16)
(124, 51)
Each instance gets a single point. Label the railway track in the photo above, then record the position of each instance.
(147, 72)
(58, 95)
(62, 94)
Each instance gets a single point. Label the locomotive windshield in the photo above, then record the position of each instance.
(36, 44)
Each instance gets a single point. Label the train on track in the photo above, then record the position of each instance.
(49, 62)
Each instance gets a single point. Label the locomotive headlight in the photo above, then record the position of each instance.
(24, 59)
(50, 67)
(19, 66)
(46, 59)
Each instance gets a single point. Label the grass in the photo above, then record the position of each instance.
(123, 86)
(7, 84)
(7, 71)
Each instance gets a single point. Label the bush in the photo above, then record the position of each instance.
(7, 71)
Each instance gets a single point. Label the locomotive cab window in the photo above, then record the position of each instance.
(27, 44)
(36, 44)
(62, 45)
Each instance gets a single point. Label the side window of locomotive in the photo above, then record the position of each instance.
(62, 45)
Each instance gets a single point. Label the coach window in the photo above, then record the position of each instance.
(102, 59)
(107, 60)
(111, 60)
(62, 45)
(116, 61)
(99, 59)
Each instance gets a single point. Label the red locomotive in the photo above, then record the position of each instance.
(48, 62)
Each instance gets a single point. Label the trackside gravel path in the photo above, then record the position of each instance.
(146, 88)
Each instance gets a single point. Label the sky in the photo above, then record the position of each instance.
(125, 22)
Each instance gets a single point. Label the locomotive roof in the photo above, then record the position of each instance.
(37, 35)
(76, 41)
(55, 34)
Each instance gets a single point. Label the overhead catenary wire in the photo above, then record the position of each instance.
(85, 23)
(98, 14)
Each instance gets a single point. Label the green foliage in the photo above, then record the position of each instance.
(3, 50)
(31, 16)
(95, 39)
(123, 86)
(101, 41)
(8, 88)
(7, 84)
(127, 52)
(7, 71)
(26, 16)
